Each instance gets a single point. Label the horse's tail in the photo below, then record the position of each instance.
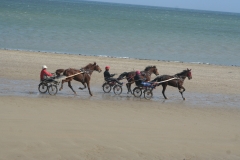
(59, 71)
(124, 74)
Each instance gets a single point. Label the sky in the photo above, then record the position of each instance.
(210, 5)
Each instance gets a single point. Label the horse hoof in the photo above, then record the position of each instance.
(184, 99)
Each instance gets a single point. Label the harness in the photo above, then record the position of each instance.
(84, 72)
(179, 78)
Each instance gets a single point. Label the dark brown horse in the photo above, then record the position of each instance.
(83, 75)
(145, 74)
(177, 82)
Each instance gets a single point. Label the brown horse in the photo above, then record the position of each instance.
(177, 82)
(83, 75)
(145, 74)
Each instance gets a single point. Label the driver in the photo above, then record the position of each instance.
(108, 76)
(141, 82)
(44, 73)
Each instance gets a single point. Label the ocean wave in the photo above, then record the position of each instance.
(106, 56)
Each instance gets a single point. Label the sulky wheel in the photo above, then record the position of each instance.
(52, 89)
(42, 87)
(117, 89)
(148, 94)
(137, 92)
(106, 88)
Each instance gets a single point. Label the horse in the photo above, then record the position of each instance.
(177, 82)
(144, 74)
(82, 75)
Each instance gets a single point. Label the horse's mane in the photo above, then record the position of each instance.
(89, 65)
(181, 73)
(69, 69)
(148, 67)
(72, 69)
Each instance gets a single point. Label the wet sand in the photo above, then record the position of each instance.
(39, 126)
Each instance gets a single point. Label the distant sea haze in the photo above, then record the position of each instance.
(119, 30)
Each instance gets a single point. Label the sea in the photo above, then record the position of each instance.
(120, 30)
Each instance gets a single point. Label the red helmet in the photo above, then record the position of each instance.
(137, 72)
(107, 67)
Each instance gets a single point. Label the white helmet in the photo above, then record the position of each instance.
(44, 66)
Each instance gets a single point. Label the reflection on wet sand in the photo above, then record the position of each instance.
(29, 88)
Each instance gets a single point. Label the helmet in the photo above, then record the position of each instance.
(137, 72)
(107, 67)
(44, 66)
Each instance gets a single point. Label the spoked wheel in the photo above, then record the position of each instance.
(42, 87)
(137, 92)
(106, 87)
(52, 89)
(148, 94)
(117, 89)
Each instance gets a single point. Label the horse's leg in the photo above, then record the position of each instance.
(62, 85)
(70, 86)
(163, 91)
(128, 87)
(82, 80)
(130, 83)
(83, 83)
(88, 85)
(65, 80)
(179, 88)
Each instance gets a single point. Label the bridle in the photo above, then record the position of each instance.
(189, 74)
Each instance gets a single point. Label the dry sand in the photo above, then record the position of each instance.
(35, 126)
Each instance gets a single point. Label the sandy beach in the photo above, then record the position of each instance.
(66, 126)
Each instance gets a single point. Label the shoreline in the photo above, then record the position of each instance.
(106, 56)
